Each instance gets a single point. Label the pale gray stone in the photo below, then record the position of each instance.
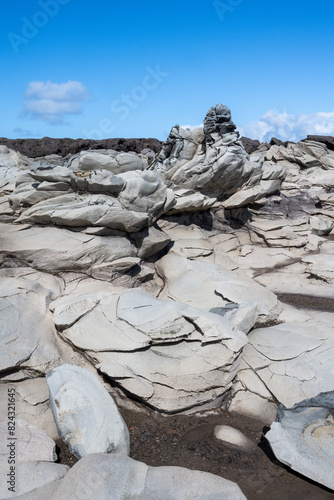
(28, 194)
(41, 247)
(31, 443)
(27, 331)
(147, 193)
(212, 162)
(233, 437)
(321, 225)
(30, 476)
(118, 163)
(158, 350)
(320, 266)
(303, 438)
(85, 414)
(292, 359)
(207, 286)
(97, 181)
(98, 475)
(32, 402)
(254, 406)
(149, 241)
(188, 200)
(83, 210)
(173, 377)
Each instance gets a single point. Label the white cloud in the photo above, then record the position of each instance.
(288, 127)
(50, 102)
(192, 127)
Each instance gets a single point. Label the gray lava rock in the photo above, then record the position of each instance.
(303, 438)
(30, 476)
(111, 476)
(85, 414)
(29, 443)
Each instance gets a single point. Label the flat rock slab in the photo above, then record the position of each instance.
(85, 414)
(55, 250)
(96, 476)
(209, 286)
(303, 438)
(292, 359)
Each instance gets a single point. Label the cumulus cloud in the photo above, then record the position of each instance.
(288, 127)
(51, 102)
(192, 127)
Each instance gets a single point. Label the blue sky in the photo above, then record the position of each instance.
(71, 68)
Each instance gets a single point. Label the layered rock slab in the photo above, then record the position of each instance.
(166, 353)
(126, 201)
(60, 250)
(31, 443)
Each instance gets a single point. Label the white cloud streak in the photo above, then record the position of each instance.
(288, 127)
(51, 102)
(192, 127)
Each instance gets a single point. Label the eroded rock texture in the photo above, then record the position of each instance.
(199, 278)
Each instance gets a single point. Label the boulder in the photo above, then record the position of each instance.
(85, 414)
(321, 225)
(42, 247)
(100, 198)
(234, 438)
(118, 163)
(213, 163)
(32, 401)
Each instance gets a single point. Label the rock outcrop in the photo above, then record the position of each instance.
(202, 279)
(213, 161)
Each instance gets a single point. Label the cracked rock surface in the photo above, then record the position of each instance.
(302, 437)
(196, 280)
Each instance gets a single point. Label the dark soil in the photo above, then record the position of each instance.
(307, 301)
(188, 441)
(35, 148)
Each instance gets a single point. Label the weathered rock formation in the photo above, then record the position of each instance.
(164, 279)
(213, 161)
